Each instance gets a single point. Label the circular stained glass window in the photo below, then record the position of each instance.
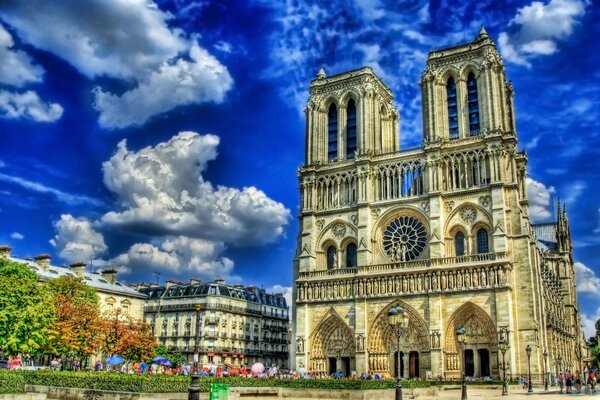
(404, 239)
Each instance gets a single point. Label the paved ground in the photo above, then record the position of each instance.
(513, 393)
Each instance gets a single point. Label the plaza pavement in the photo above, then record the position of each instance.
(514, 393)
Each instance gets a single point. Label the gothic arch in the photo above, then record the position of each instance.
(331, 338)
(381, 343)
(445, 73)
(388, 217)
(483, 216)
(481, 333)
(349, 94)
(333, 232)
(470, 67)
(327, 101)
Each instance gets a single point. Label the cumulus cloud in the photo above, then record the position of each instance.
(28, 105)
(537, 28)
(17, 236)
(130, 41)
(586, 278)
(163, 192)
(180, 256)
(540, 200)
(76, 239)
(17, 68)
(589, 323)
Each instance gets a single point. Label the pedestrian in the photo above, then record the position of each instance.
(98, 366)
(561, 381)
(568, 381)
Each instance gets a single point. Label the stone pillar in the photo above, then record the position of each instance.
(406, 366)
(477, 363)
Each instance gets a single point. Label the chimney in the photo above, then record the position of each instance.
(195, 281)
(110, 275)
(220, 281)
(170, 283)
(78, 268)
(43, 260)
(5, 251)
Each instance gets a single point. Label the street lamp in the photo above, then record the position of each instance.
(194, 389)
(528, 350)
(546, 370)
(461, 337)
(503, 345)
(399, 322)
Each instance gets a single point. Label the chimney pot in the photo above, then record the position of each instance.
(78, 268)
(43, 260)
(5, 251)
(110, 275)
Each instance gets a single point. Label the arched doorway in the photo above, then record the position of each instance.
(481, 349)
(332, 346)
(382, 345)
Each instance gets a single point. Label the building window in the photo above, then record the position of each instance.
(351, 129)
(473, 103)
(351, 256)
(452, 108)
(482, 241)
(459, 244)
(331, 257)
(332, 127)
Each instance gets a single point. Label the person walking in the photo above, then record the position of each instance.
(561, 381)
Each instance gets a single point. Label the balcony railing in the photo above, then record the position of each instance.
(486, 258)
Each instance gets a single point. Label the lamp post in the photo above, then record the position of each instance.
(461, 337)
(528, 350)
(399, 322)
(546, 370)
(194, 389)
(503, 345)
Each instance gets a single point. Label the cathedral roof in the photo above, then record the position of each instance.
(546, 236)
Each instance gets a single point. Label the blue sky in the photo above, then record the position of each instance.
(165, 136)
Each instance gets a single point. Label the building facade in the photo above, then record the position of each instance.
(112, 294)
(238, 325)
(442, 230)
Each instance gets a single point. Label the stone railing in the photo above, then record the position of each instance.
(462, 261)
(471, 278)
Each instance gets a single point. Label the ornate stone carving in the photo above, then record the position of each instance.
(354, 219)
(320, 223)
(449, 206)
(375, 212)
(425, 206)
(300, 344)
(468, 215)
(360, 343)
(404, 238)
(485, 201)
(339, 231)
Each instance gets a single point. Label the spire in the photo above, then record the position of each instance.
(321, 74)
(482, 34)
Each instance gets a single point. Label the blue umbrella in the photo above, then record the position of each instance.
(158, 358)
(114, 360)
(164, 361)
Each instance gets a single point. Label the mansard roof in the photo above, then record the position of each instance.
(546, 236)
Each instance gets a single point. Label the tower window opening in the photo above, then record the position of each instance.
(331, 257)
(332, 128)
(459, 244)
(452, 108)
(351, 256)
(482, 241)
(351, 129)
(473, 103)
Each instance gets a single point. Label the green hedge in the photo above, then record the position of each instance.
(15, 381)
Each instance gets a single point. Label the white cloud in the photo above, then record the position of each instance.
(76, 239)
(537, 28)
(127, 40)
(67, 198)
(573, 190)
(223, 46)
(540, 200)
(202, 79)
(586, 278)
(180, 256)
(28, 105)
(163, 192)
(589, 323)
(17, 236)
(17, 68)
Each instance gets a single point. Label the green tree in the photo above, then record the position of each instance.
(26, 309)
(78, 322)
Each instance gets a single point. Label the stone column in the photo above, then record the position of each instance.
(406, 366)
(477, 363)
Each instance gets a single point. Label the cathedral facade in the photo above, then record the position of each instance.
(442, 230)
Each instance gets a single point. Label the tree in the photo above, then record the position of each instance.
(26, 309)
(128, 337)
(78, 322)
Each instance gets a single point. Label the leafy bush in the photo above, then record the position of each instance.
(11, 382)
(178, 384)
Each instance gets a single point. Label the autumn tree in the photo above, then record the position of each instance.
(26, 309)
(78, 324)
(127, 337)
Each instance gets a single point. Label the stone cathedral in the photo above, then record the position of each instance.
(442, 230)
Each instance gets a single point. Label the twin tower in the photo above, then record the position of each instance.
(442, 231)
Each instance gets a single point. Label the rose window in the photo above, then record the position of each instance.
(404, 239)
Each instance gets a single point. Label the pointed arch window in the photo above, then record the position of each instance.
(332, 128)
(459, 244)
(482, 241)
(473, 103)
(452, 108)
(351, 256)
(351, 129)
(331, 257)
